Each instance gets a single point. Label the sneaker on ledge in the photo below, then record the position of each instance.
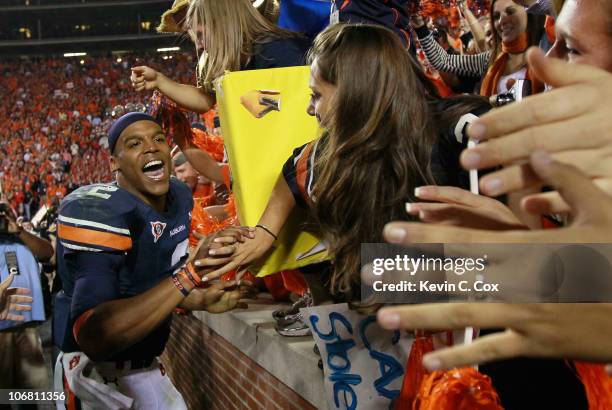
(294, 329)
(304, 301)
(288, 320)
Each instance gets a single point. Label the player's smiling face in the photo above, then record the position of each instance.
(142, 157)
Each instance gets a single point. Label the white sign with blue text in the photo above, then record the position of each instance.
(363, 363)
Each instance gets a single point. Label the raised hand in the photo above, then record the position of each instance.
(417, 21)
(144, 78)
(533, 330)
(13, 300)
(590, 206)
(544, 330)
(457, 207)
(571, 122)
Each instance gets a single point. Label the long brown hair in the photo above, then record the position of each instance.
(231, 28)
(378, 141)
(535, 30)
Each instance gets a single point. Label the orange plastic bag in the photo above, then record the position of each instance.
(457, 389)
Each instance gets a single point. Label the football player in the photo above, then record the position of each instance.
(122, 256)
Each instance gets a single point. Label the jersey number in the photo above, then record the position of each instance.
(95, 191)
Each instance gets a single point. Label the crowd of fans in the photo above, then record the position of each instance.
(56, 113)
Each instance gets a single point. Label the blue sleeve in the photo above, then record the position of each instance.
(96, 280)
(392, 14)
(288, 52)
(305, 16)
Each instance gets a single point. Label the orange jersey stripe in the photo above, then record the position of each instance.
(76, 328)
(70, 401)
(89, 236)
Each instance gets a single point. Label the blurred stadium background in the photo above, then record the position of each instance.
(98, 27)
(64, 67)
(43, 27)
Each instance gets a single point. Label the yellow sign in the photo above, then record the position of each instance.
(263, 119)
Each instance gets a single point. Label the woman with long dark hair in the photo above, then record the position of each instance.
(386, 132)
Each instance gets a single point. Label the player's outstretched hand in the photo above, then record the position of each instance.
(233, 298)
(220, 297)
(13, 300)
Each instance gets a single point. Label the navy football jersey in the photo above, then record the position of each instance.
(111, 245)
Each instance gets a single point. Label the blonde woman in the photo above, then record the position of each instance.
(229, 35)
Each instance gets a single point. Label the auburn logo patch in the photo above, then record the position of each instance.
(74, 362)
(157, 229)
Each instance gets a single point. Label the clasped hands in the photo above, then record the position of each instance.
(230, 249)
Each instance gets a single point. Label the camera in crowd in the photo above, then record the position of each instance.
(44, 221)
(520, 90)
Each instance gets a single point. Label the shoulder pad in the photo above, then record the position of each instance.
(93, 218)
(182, 192)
